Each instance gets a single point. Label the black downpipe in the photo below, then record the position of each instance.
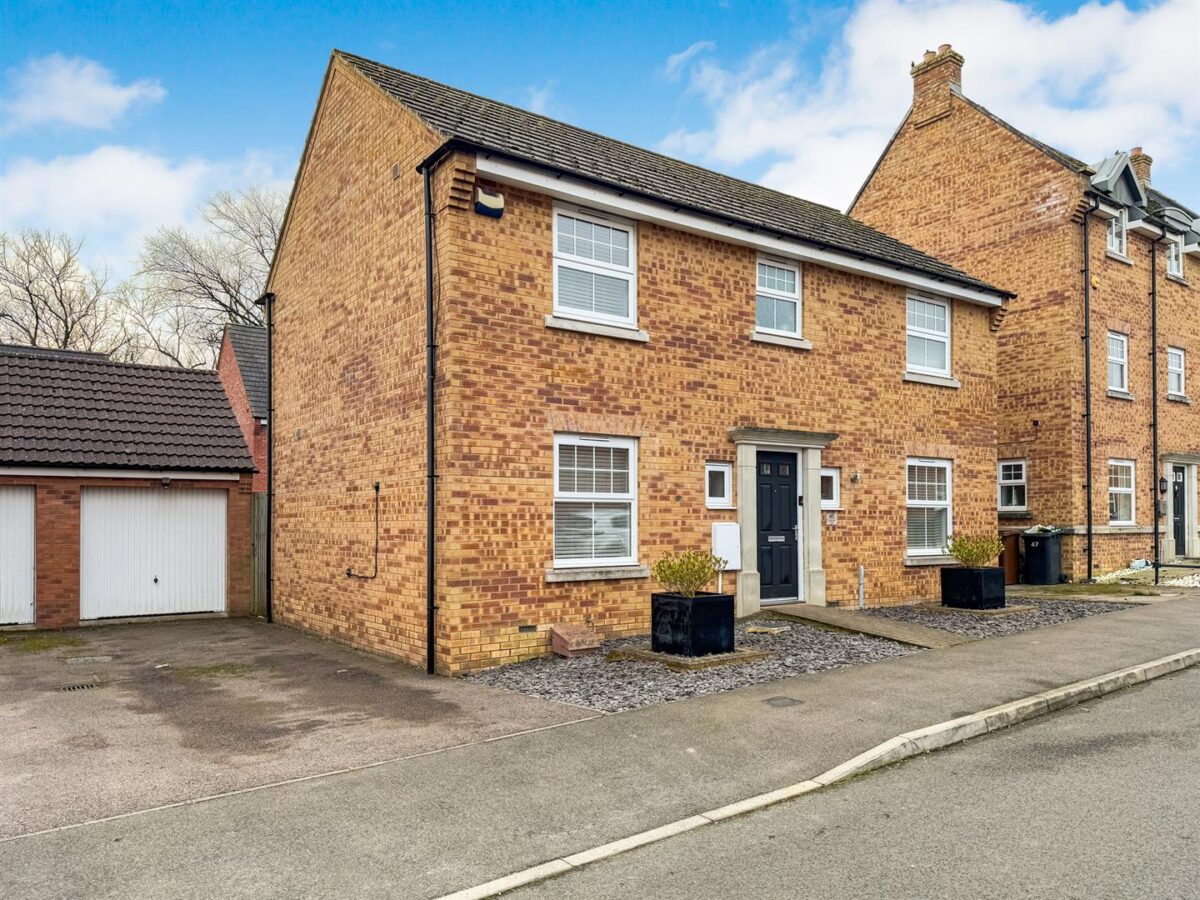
(430, 457)
(268, 303)
(1155, 499)
(1087, 380)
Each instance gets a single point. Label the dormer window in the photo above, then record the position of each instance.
(1175, 256)
(1118, 233)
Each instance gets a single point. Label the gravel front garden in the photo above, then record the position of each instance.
(596, 683)
(1044, 612)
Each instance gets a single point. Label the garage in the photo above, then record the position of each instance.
(18, 563)
(151, 551)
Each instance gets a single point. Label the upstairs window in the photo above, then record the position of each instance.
(1175, 256)
(595, 501)
(778, 299)
(1176, 372)
(1120, 492)
(595, 268)
(1012, 485)
(1118, 362)
(1118, 237)
(928, 506)
(928, 336)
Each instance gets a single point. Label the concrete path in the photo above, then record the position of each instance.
(877, 626)
(427, 826)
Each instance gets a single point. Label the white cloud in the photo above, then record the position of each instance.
(1084, 82)
(71, 91)
(539, 98)
(677, 61)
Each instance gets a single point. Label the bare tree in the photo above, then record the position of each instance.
(49, 298)
(190, 285)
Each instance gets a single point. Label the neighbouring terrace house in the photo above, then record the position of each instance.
(242, 368)
(124, 492)
(625, 353)
(960, 183)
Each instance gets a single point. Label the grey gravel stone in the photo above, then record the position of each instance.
(596, 683)
(1044, 612)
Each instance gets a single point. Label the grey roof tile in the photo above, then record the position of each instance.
(249, 344)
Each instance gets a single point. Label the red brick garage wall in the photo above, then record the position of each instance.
(56, 539)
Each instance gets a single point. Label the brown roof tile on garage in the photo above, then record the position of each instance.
(62, 409)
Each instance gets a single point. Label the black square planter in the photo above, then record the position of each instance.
(964, 588)
(691, 626)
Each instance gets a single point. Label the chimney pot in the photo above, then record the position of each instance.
(943, 48)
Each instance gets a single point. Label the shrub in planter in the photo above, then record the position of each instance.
(976, 585)
(685, 619)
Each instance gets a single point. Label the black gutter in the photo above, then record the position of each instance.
(622, 190)
(1087, 380)
(267, 302)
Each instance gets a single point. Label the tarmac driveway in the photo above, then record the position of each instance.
(182, 710)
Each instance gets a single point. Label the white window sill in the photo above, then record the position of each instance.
(1120, 525)
(781, 340)
(1119, 258)
(1178, 279)
(719, 508)
(938, 559)
(936, 380)
(595, 573)
(1119, 395)
(1179, 398)
(624, 332)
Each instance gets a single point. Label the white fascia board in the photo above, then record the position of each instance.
(49, 472)
(578, 191)
(1105, 211)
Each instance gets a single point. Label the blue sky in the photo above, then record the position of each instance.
(151, 106)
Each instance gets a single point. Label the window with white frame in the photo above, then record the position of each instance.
(1175, 256)
(831, 489)
(595, 501)
(1118, 361)
(1118, 233)
(1176, 372)
(1120, 492)
(718, 485)
(777, 299)
(1012, 485)
(595, 268)
(929, 506)
(928, 336)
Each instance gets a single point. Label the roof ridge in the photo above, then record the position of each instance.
(40, 354)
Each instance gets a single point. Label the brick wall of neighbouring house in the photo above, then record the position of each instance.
(254, 432)
(57, 529)
(965, 188)
(350, 403)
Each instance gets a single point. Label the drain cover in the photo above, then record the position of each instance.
(782, 701)
(87, 685)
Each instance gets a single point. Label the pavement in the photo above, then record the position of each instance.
(432, 824)
(188, 709)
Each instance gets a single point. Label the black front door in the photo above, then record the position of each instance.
(1179, 509)
(777, 518)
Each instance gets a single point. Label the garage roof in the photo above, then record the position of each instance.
(64, 409)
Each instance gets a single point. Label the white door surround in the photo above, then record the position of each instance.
(1191, 466)
(807, 445)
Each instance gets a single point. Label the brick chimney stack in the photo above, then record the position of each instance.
(1141, 165)
(933, 79)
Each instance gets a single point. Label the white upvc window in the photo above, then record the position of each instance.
(595, 268)
(831, 489)
(930, 506)
(1118, 361)
(595, 501)
(1175, 256)
(1012, 485)
(1118, 233)
(1121, 482)
(718, 485)
(928, 333)
(777, 298)
(1176, 372)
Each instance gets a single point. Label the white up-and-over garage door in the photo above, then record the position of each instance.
(18, 565)
(151, 551)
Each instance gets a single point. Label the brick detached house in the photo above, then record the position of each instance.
(242, 368)
(960, 183)
(629, 353)
(124, 491)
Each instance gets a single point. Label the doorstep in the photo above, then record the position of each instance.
(875, 626)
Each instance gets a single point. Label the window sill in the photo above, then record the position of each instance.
(938, 560)
(720, 508)
(1119, 258)
(796, 343)
(936, 380)
(622, 332)
(1014, 514)
(1178, 279)
(1179, 398)
(597, 573)
(1119, 395)
(1118, 527)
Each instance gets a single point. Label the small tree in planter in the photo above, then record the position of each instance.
(979, 583)
(685, 619)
